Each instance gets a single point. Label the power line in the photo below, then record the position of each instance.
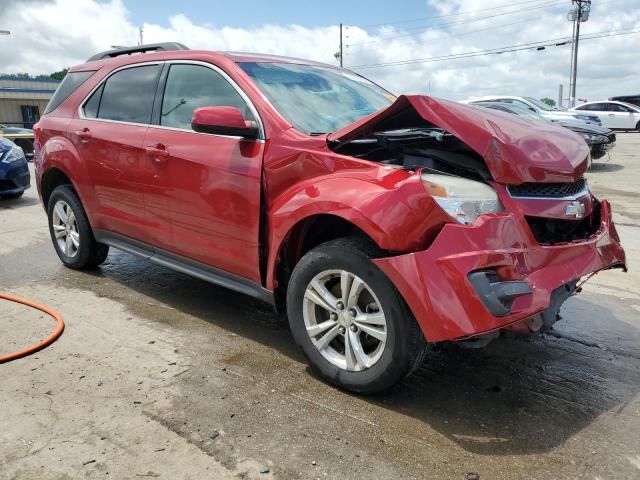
(422, 29)
(419, 19)
(540, 45)
(457, 22)
(494, 27)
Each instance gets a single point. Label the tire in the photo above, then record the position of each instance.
(638, 127)
(80, 251)
(387, 363)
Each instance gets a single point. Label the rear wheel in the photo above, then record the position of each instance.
(349, 320)
(70, 231)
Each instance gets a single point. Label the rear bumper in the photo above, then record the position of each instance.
(435, 282)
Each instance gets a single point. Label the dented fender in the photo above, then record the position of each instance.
(393, 209)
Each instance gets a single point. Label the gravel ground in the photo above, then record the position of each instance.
(164, 376)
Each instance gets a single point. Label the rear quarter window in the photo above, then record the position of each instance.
(69, 85)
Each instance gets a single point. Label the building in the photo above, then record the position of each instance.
(22, 100)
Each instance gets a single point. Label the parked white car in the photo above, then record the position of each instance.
(553, 114)
(613, 114)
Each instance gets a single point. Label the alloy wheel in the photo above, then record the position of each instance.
(65, 229)
(344, 320)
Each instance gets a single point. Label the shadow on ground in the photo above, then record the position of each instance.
(18, 202)
(604, 166)
(520, 395)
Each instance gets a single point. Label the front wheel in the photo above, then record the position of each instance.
(348, 319)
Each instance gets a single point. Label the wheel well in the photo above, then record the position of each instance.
(304, 236)
(51, 179)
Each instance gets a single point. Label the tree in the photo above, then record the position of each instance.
(60, 74)
(55, 75)
(549, 101)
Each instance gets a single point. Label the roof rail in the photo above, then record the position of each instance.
(152, 47)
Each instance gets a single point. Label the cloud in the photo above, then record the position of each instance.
(49, 35)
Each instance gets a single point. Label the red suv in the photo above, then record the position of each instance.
(379, 224)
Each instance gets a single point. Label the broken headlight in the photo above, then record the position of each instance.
(463, 199)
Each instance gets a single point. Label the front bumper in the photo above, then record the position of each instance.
(599, 150)
(435, 282)
(14, 178)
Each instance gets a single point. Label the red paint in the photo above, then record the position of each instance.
(229, 117)
(227, 201)
(451, 310)
(516, 150)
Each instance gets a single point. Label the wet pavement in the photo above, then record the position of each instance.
(162, 375)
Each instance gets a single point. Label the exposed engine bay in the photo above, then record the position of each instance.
(430, 148)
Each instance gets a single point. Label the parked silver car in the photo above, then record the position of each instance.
(550, 113)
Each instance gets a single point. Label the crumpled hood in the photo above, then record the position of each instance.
(515, 149)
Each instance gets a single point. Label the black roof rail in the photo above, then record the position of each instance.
(152, 47)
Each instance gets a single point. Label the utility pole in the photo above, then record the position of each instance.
(341, 54)
(141, 32)
(578, 15)
(560, 87)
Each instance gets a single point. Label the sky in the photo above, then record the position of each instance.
(408, 37)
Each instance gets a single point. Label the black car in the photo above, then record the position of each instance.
(14, 170)
(600, 139)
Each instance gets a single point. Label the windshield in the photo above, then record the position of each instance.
(525, 112)
(540, 105)
(317, 99)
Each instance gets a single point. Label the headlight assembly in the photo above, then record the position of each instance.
(13, 155)
(595, 138)
(463, 199)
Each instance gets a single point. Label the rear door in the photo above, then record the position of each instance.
(109, 137)
(621, 116)
(212, 183)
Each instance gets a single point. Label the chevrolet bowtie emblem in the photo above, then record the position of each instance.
(575, 209)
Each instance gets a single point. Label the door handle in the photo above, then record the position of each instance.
(158, 153)
(84, 135)
(612, 114)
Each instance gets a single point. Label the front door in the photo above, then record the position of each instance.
(109, 137)
(213, 182)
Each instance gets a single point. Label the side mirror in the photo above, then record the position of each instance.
(223, 121)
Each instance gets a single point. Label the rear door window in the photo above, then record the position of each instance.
(614, 107)
(127, 95)
(69, 85)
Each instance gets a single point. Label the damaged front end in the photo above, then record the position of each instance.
(524, 226)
